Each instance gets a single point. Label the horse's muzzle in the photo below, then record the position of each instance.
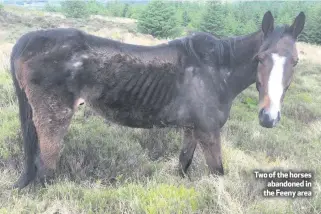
(266, 120)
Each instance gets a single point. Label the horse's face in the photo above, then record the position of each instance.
(276, 60)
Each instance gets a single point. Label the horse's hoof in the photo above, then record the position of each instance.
(46, 177)
(218, 171)
(182, 173)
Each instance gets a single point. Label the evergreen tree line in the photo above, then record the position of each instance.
(170, 19)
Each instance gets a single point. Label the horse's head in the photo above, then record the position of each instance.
(277, 58)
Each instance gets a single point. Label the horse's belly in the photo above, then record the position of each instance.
(142, 118)
(125, 117)
(132, 119)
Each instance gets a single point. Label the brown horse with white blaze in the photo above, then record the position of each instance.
(189, 83)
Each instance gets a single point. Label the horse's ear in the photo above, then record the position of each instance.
(267, 23)
(298, 25)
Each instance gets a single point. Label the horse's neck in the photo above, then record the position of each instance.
(243, 71)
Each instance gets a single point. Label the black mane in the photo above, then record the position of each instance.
(275, 36)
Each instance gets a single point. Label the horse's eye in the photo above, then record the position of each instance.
(260, 58)
(258, 85)
(295, 62)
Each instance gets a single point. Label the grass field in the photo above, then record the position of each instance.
(143, 165)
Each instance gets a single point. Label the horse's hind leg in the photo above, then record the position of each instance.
(187, 152)
(52, 114)
(211, 146)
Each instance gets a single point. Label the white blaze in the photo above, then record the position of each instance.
(275, 85)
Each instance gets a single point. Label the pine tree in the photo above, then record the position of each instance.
(186, 18)
(231, 25)
(74, 9)
(312, 32)
(158, 19)
(213, 20)
(125, 10)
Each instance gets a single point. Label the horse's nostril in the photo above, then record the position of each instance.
(262, 112)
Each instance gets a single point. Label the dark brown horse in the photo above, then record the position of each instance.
(188, 83)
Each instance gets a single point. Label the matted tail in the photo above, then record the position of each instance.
(30, 139)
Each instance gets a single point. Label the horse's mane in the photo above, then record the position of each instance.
(277, 34)
(220, 49)
(224, 50)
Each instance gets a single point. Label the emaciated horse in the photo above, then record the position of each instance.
(188, 83)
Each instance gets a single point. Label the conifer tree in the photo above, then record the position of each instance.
(213, 20)
(158, 19)
(312, 29)
(186, 18)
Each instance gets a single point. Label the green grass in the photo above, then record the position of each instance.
(107, 168)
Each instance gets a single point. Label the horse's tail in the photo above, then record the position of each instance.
(30, 139)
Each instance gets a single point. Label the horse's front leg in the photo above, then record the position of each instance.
(211, 145)
(187, 151)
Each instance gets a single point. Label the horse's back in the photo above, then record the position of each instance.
(40, 42)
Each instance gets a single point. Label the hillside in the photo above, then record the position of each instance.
(106, 168)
